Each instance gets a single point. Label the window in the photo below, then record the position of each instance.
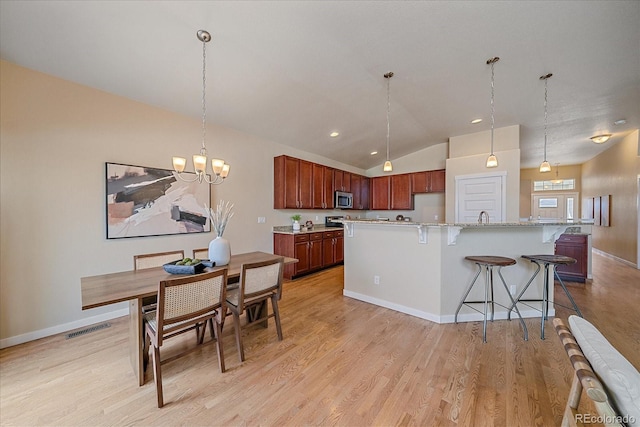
(554, 185)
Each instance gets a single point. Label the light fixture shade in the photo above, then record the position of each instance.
(179, 164)
(545, 167)
(217, 165)
(601, 139)
(199, 163)
(492, 161)
(388, 167)
(225, 170)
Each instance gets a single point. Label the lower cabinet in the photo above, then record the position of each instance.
(314, 250)
(574, 246)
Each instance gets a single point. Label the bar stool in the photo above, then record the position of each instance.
(488, 262)
(547, 260)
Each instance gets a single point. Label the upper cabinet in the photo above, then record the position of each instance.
(300, 184)
(293, 183)
(428, 181)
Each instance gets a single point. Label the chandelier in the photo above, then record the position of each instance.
(492, 160)
(545, 166)
(219, 167)
(388, 167)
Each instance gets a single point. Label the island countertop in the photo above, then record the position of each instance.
(468, 224)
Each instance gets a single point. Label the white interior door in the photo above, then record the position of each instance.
(477, 193)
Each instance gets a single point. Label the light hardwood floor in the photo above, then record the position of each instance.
(342, 362)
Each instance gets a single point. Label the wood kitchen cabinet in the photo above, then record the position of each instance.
(332, 247)
(293, 183)
(380, 193)
(307, 248)
(428, 181)
(575, 246)
(322, 195)
(401, 196)
(360, 191)
(342, 181)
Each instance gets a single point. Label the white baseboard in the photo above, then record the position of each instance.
(608, 255)
(53, 330)
(447, 318)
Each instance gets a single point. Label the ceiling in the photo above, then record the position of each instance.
(292, 72)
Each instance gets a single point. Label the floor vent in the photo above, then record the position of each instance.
(88, 330)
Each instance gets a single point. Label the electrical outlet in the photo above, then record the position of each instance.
(376, 280)
(435, 217)
(261, 220)
(317, 218)
(512, 289)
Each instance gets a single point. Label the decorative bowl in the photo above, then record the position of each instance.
(172, 268)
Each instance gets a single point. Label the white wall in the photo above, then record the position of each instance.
(55, 137)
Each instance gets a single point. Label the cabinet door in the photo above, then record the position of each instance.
(315, 254)
(302, 254)
(305, 182)
(380, 196)
(420, 182)
(437, 181)
(401, 198)
(339, 249)
(328, 187)
(355, 189)
(317, 195)
(290, 183)
(364, 192)
(346, 181)
(574, 246)
(327, 252)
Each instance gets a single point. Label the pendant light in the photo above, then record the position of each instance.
(219, 167)
(492, 160)
(545, 166)
(557, 180)
(388, 167)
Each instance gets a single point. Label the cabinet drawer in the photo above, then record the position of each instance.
(301, 238)
(315, 236)
(339, 233)
(329, 234)
(573, 238)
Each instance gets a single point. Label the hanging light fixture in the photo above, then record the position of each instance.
(545, 166)
(601, 139)
(388, 167)
(557, 180)
(219, 167)
(492, 160)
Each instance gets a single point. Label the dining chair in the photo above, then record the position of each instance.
(259, 282)
(152, 260)
(201, 253)
(185, 303)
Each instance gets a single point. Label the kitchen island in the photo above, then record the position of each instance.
(419, 268)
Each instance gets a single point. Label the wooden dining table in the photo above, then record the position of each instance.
(135, 285)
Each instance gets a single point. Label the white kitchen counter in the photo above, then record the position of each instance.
(421, 268)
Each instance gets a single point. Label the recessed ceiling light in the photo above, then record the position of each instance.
(334, 134)
(620, 122)
(373, 153)
(474, 121)
(601, 139)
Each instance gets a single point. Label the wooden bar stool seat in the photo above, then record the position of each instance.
(488, 262)
(548, 261)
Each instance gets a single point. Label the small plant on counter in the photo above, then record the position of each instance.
(296, 217)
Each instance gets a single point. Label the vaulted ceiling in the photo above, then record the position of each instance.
(294, 71)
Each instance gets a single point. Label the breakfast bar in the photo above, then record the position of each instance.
(420, 269)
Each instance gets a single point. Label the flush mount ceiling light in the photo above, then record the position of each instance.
(334, 134)
(545, 166)
(492, 160)
(601, 139)
(474, 121)
(620, 122)
(373, 153)
(388, 167)
(219, 167)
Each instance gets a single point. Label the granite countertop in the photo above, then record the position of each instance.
(464, 225)
(288, 229)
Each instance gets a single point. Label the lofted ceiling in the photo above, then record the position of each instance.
(294, 71)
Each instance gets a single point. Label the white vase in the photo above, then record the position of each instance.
(220, 251)
(296, 226)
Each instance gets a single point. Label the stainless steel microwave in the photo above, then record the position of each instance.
(343, 200)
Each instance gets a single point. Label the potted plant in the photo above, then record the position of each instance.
(296, 221)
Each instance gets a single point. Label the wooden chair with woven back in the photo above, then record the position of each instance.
(185, 303)
(260, 282)
(202, 253)
(152, 260)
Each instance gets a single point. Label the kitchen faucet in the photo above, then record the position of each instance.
(486, 214)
